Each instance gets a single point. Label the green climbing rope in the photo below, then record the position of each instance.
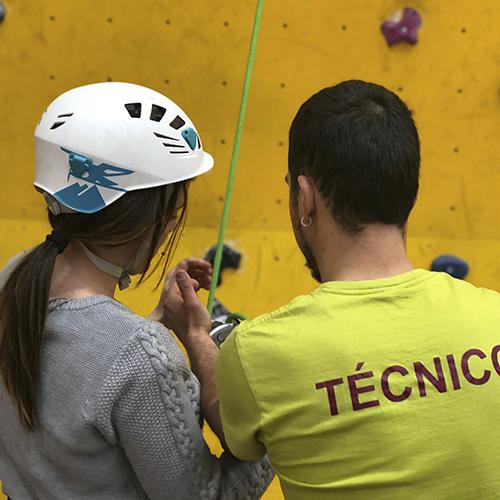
(234, 157)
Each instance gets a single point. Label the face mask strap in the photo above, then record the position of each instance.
(122, 274)
(107, 267)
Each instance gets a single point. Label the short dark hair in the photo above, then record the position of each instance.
(359, 143)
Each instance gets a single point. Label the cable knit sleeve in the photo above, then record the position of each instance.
(148, 405)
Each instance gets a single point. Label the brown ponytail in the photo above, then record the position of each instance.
(136, 216)
(23, 306)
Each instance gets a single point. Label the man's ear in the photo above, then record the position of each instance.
(306, 201)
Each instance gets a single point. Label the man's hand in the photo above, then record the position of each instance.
(185, 314)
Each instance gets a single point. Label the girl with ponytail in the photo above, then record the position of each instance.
(95, 401)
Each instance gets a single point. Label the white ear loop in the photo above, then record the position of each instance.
(107, 267)
(306, 221)
(135, 263)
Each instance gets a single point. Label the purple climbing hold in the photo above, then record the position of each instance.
(403, 27)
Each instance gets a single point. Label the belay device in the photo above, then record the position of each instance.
(220, 331)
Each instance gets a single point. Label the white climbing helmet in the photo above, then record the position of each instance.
(96, 142)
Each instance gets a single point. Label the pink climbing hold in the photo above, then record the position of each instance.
(403, 27)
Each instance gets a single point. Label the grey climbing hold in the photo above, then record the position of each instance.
(2, 12)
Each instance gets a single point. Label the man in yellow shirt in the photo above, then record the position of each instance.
(385, 381)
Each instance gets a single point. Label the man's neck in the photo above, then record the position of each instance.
(377, 252)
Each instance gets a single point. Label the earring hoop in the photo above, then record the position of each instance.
(306, 221)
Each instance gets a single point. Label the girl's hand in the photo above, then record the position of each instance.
(179, 308)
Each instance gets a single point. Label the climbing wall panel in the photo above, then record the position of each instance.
(195, 53)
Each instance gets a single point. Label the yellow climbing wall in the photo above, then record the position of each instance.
(195, 52)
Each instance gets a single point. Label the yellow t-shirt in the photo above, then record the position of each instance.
(374, 390)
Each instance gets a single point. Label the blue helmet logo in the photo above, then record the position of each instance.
(86, 197)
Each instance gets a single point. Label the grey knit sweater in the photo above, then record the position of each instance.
(119, 417)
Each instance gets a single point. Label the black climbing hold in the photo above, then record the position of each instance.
(2, 12)
(231, 259)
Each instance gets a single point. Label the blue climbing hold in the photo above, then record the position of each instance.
(451, 265)
(191, 137)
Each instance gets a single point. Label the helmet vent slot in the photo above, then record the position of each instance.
(177, 122)
(157, 113)
(177, 148)
(65, 115)
(134, 109)
(161, 136)
(56, 125)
